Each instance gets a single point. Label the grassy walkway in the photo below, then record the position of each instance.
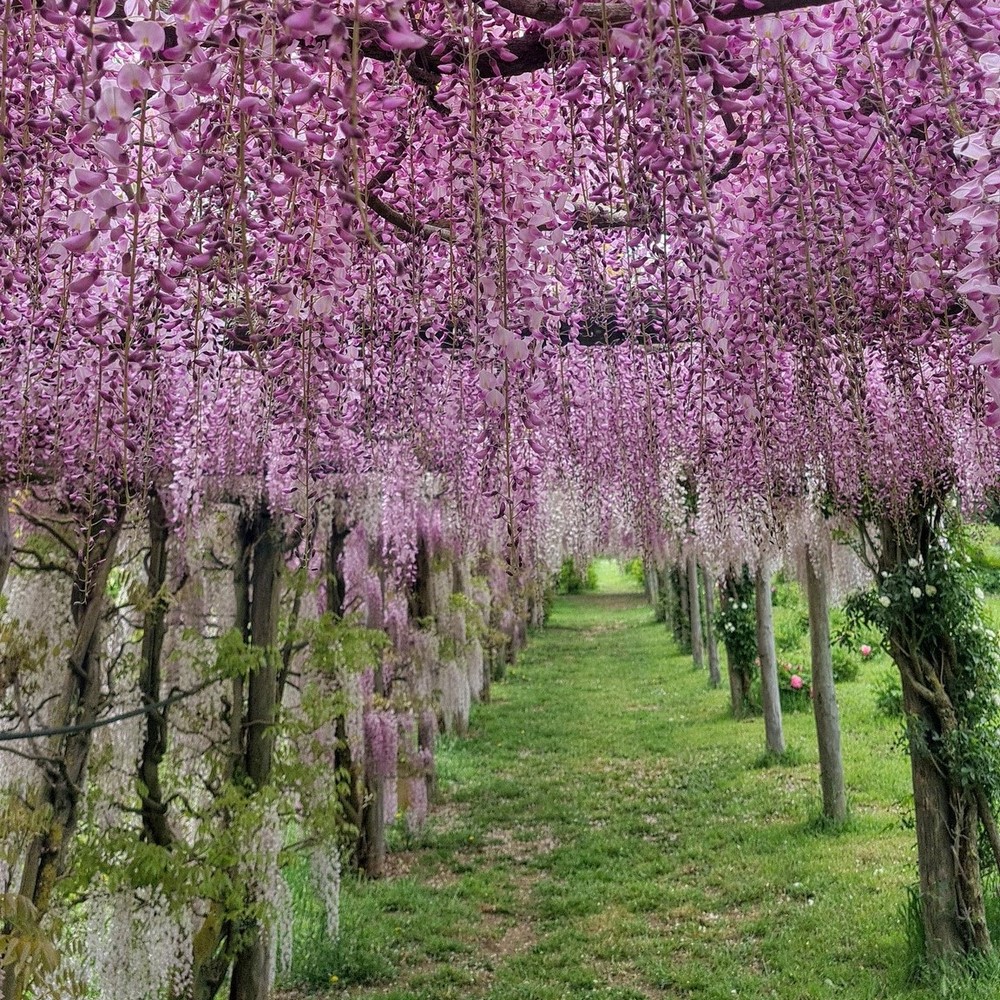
(605, 833)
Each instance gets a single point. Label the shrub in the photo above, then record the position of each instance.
(789, 630)
(889, 695)
(736, 622)
(636, 570)
(785, 593)
(795, 687)
(571, 581)
(846, 663)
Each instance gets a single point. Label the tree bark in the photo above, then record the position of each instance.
(353, 797)
(769, 694)
(263, 681)
(735, 592)
(251, 979)
(79, 704)
(694, 613)
(714, 674)
(6, 538)
(665, 597)
(335, 586)
(737, 692)
(682, 619)
(374, 830)
(831, 766)
(652, 584)
(420, 594)
(252, 972)
(426, 739)
(945, 806)
(154, 811)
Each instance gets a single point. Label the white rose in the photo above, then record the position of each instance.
(884, 601)
(916, 592)
(930, 590)
(914, 563)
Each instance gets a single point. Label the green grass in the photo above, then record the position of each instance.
(606, 832)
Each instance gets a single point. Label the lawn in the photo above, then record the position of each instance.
(607, 831)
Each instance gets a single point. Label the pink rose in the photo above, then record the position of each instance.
(866, 651)
(796, 682)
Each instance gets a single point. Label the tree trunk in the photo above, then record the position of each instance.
(946, 821)
(251, 979)
(374, 830)
(79, 705)
(769, 694)
(736, 592)
(694, 613)
(353, 795)
(682, 618)
(6, 539)
(714, 674)
(665, 598)
(154, 811)
(263, 681)
(737, 694)
(831, 767)
(420, 592)
(945, 805)
(426, 739)
(252, 972)
(335, 586)
(652, 583)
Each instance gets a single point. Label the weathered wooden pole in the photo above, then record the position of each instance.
(769, 694)
(831, 765)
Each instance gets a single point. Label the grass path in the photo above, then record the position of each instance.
(606, 833)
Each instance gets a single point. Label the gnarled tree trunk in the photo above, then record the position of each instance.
(739, 665)
(251, 977)
(222, 943)
(154, 747)
(6, 539)
(78, 708)
(946, 807)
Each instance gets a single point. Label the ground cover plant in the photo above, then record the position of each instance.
(605, 832)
